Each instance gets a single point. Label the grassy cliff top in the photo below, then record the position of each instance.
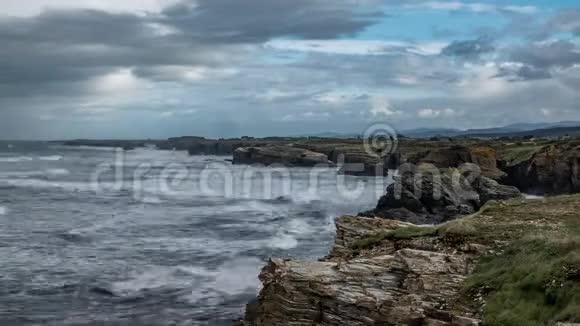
(534, 279)
(531, 274)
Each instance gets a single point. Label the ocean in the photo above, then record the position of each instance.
(97, 236)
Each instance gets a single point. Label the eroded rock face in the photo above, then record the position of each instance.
(432, 196)
(355, 160)
(282, 155)
(407, 283)
(456, 156)
(553, 170)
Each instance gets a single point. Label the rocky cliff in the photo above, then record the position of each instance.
(458, 155)
(282, 155)
(512, 263)
(413, 282)
(553, 169)
(426, 195)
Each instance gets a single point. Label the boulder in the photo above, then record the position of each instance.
(282, 155)
(423, 195)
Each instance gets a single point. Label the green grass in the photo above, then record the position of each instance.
(515, 154)
(532, 276)
(532, 282)
(535, 278)
(404, 233)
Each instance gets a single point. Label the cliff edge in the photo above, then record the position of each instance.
(512, 263)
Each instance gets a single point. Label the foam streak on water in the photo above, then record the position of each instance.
(125, 255)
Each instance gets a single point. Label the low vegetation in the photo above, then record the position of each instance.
(535, 278)
(516, 153)
(405, 233)
(531, 275)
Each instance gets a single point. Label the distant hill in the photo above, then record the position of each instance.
(541, 129)
(547, 132)
(431, 132)
(335, 135)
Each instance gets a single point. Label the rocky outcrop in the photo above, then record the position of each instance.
(413, 282)
(456, 156)
(427, 195)
(353, 159)
(554, 169)
(363, 164)
(282, 155)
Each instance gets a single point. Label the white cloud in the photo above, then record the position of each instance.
(187, 73)
(481, 82)
(436, 113)
(120, 82)
(27, 8)
(337, 98)
(3, 210)
(381, 106)
(522, 9)
(158, 29)
(272, 95)
(357, 47)
(171, 114)
(474, 7)
(546, 112)
(312, 116)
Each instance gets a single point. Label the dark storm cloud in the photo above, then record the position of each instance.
(567, 21)
(469, 49)
(523, 73)
(546, 55)
(261, 20)
(76, 45)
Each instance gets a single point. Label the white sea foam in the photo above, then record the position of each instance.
(46, 184)
(151, 200)
(57, 172)
(151, 279)
(37, 173)
(236, 276)
(15, 159)
(283, 241)
(51, 158)
(22, 174)
(299, 226)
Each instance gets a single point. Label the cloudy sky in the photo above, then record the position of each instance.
(221, 68)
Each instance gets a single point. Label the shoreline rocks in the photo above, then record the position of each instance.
(281, 155)
(456, 156)
(421, 195)
(411, 278)
(552, 170)
(479, 269)
(407, 283)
